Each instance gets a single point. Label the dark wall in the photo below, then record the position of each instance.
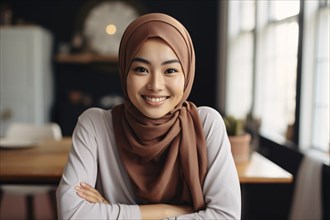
(61, 17)
(199, 17)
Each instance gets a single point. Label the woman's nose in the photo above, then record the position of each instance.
(156, 82)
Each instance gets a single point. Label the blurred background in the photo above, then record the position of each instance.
(265, 62)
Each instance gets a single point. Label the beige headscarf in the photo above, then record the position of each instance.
(166, 158)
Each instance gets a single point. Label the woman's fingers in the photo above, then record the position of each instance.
(90, 194)
(87, 195)
(87, 187)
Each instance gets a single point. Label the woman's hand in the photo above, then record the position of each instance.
(161, 211)
(90, 194)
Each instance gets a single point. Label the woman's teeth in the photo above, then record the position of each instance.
(151, 99)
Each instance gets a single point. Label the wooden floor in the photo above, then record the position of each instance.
(13, 208)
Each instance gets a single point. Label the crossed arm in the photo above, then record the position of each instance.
(154, 211)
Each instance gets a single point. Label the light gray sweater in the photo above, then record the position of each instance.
(94, 159)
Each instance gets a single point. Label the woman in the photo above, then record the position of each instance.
(156, 155)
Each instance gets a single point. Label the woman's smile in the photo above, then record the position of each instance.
(154, 100)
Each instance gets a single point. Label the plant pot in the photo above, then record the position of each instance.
(240, 147)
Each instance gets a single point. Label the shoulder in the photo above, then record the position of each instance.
(96, 122)
(209, 116)
(212, 122)
(94, 114)
(207, 111)
(94, 118)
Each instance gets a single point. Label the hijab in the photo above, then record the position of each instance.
(165, 158)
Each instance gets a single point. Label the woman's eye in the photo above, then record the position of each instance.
(172, 70)
(140, 70)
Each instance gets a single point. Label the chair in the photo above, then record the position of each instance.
(35, 132)
(308, 201)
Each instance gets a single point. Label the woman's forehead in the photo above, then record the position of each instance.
(155, 47)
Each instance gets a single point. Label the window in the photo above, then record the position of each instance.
(278, 68)
(321, 120)
(240, 67)
(276, 71)
(315, 82)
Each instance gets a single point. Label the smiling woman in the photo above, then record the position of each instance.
(156, 155)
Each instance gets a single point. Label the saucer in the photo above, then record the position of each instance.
(17, 143)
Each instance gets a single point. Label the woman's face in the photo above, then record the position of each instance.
(155, 80)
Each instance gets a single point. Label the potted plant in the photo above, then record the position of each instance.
(239, 139)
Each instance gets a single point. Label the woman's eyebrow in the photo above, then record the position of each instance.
(139, 59)
(171, 61)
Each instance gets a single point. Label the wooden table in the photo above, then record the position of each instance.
(44, 164)
(261, 170)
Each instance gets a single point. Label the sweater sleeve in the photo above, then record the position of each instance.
(82, 165)
(221, 187)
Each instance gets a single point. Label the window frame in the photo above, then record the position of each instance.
(297, 141)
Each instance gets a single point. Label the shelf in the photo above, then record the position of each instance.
(85, 58)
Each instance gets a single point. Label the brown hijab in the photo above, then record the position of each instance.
(166, 158)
